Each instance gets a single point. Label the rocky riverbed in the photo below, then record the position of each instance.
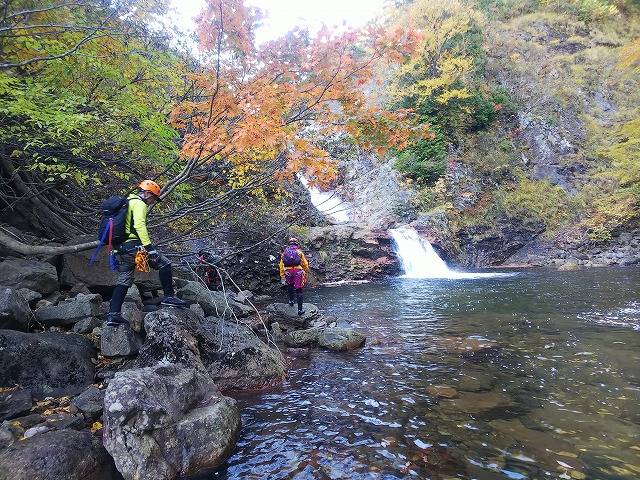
(79, 400)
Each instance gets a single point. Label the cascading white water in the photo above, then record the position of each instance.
(328, 203)
(420, 260)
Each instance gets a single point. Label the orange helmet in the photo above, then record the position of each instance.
(150, 186)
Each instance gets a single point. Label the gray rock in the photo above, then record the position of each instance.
(243, 297)
(49, 364)
(283, 313)
(86, 325)
(30, 296)
(8, 434)
(120, 341)
(241, 360)
(90, 402)
(38, 276)
(79, 288)
(65, 421)
(213, 302)
(15, 313)
(55, 298)
(341, 339)
(57, 455)
(70, 311)
(133, 295)
(198, 310)
(14, 403)
(302, 338)
(33, 431)
(167, 421)
(135, 316)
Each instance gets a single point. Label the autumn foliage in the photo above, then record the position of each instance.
(254, 104)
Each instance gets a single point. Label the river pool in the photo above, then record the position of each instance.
(556, 396)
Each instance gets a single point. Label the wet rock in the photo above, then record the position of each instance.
(242, 360)
(465, 346)
(286, 314)
(70, 311)
(302, 338)
(90, 402)
(57, 455)
(213, 302)
(15, 313)
(120, 341)
(14, 403)
(484, 404)
(442, 391)
(340, 339)
(299, 352)
(167, 421)
(474, 382)
(569, 267)
(38, 276)
(49, 364)
(86, 325)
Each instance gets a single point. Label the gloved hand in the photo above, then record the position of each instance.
(283, 281)
(152, 252)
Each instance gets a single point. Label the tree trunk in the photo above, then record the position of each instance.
(25, 249)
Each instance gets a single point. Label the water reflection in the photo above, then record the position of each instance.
(533, 376)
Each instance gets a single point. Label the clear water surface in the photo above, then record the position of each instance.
(557, 396)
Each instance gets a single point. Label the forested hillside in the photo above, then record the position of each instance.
(534, 110)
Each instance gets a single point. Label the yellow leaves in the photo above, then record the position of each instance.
(630, 56)
(96, 426)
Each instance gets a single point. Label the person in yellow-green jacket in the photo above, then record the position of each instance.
(137, 238)
(294, 269)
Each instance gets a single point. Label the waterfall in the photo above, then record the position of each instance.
(328, 203)
(420, 260)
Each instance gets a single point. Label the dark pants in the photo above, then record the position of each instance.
(295, 281)
(125, 258)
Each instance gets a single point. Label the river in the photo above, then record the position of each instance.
(556, 397)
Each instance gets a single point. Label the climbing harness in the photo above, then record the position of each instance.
(141, 260)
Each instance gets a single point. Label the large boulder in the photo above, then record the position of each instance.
(288, 315)
(15, 313)
(49, 364)
(213, 302)
(119, 341)
(57, 455)
(90, 402)
(167, 421)
(38, 276)
(241, 360)
(340, 339)
(71, 310)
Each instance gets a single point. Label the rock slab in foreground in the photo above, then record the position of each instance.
(57, 455)
(49, 364)
(167, 421)
(38, 276)
(212, 302)
(340, 339)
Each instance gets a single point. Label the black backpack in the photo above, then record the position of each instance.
(114, 208)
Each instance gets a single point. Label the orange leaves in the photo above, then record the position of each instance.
(253, 104)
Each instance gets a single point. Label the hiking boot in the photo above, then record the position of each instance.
(301, 312)
(115, 319)
(174, 302)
